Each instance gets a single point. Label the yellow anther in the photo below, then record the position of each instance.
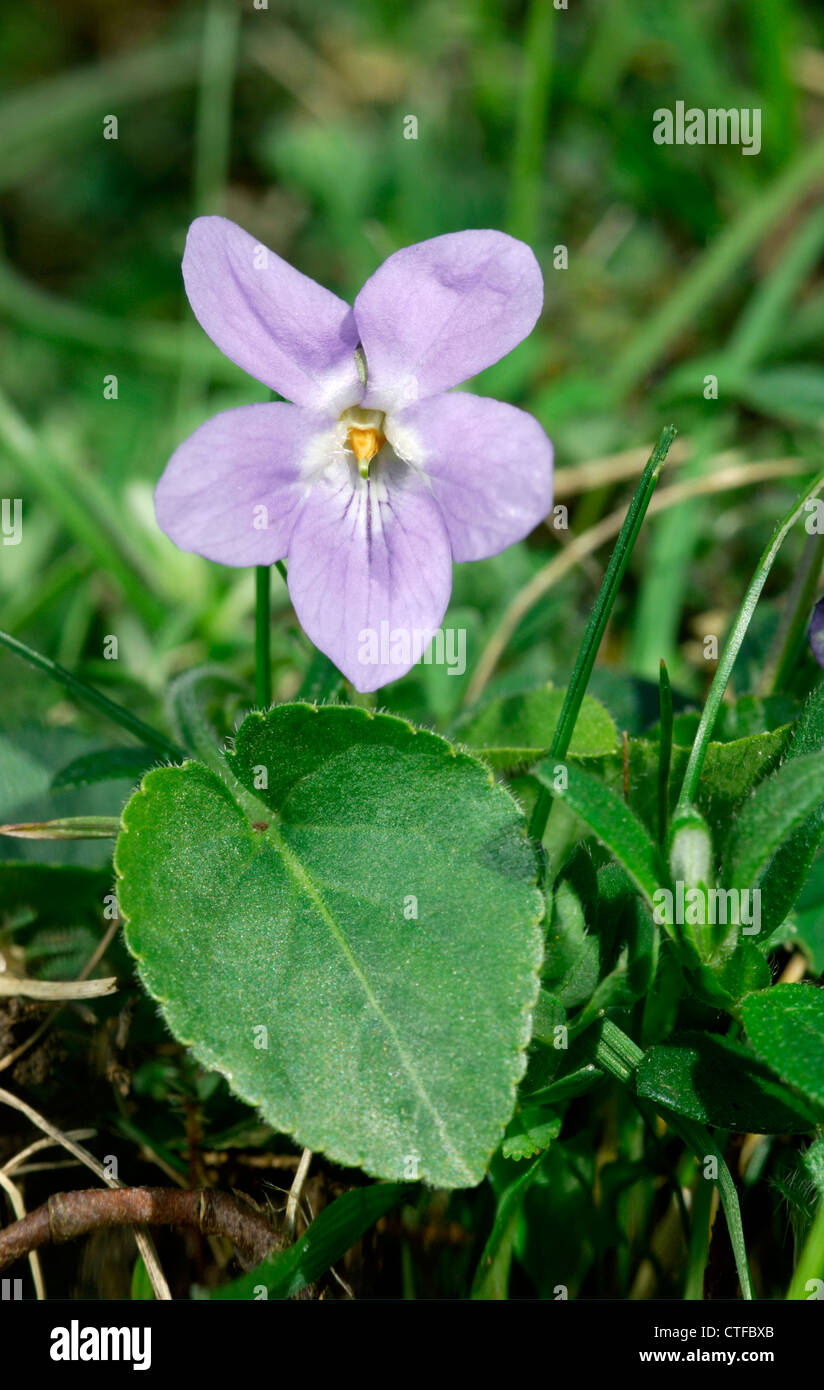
(365, 444)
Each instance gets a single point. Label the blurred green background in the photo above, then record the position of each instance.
(681, 261)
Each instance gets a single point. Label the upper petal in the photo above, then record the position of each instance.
(277, 324)
(489, 466)
(437, 312)
(232, 490)
(370, 571)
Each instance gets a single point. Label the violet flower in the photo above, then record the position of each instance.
(377, 477)
(816, 632)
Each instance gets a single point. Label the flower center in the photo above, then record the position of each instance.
(365, 436)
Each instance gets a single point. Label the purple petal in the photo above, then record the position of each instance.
(232, 490)
(436, 313)
(489, 466)
(278, 325)
(370, 571)
(817, 632)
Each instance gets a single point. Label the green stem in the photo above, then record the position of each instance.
(117, 713)
(188, 698)
(733, 646)
(664, 749)
(263, 625)
(600, 617)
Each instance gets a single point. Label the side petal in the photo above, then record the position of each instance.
(370, 571)
(437, 312)
(232, 491)
(489, 466)
(282, 328)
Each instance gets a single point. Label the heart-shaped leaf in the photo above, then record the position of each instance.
(345, 924)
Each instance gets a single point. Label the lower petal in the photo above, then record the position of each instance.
(489, 466)
(232, 491)
(370, 571)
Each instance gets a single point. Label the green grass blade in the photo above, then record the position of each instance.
(734, 641)
(665, 750)
(66, 828)
(492, 1275)
(599, 619)
(530, 139)
(329, 1237)
(664, 582)
(221, 25)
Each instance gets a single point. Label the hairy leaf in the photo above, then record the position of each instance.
(719, 1082)
(785, 1025)
(346, 926)
(611, 820)
(777, 812)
